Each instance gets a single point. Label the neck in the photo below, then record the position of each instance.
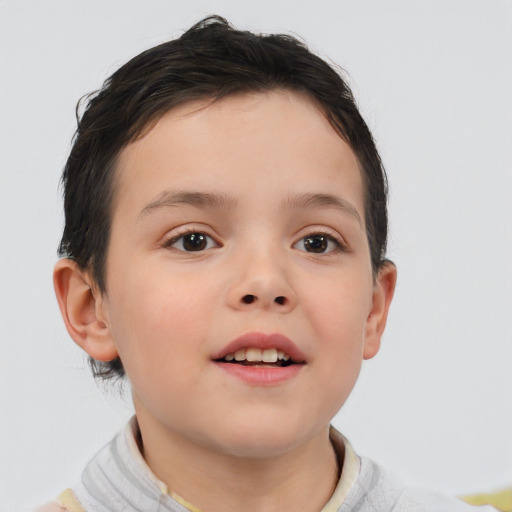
(302, 478)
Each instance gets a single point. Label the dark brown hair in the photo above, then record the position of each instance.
(209, 61)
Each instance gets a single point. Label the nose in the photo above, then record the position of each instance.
(261, 282)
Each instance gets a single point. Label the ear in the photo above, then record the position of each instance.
(383, 290)
(82, 307)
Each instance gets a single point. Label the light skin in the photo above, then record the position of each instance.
(277, 197)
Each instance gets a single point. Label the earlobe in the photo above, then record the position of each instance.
(82, 310)
(383, 291)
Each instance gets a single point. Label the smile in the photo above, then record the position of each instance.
(258, 347)
(255, 356)
(261, 359)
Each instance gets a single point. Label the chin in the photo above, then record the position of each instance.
(259, 447)
(261, 438)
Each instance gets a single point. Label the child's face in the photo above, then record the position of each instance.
(275, 199)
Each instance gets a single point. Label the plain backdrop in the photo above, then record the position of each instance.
(434, 82)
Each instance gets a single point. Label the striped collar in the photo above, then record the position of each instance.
(118, 478)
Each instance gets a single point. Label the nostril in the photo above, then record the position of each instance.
(251, 299)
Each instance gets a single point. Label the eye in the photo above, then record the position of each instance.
(192, 242)
(318, 243)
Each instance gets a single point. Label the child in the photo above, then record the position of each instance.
(225, 246)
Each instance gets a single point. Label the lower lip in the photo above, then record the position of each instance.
(259, 376)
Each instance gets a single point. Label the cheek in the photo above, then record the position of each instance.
(153, 318)
(340, 326)
(159, 335)
(339, 309)
(338, 315)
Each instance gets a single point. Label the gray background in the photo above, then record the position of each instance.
(434, 81)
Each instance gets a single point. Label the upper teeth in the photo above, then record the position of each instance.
(269, 355)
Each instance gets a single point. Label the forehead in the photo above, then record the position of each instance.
(278, 140)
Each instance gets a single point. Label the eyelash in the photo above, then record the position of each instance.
(339, 245)
(181, 236)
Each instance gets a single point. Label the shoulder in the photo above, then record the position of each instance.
(66, 502)
(377, 490)
(51, 507)
(427, 501)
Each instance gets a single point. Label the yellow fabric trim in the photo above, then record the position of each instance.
(132, 433)
(184, 502)
(349, 471)
(67, 499)
(502, 500)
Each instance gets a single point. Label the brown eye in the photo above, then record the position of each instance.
(318, 243)
(193, 242)
(315, 243)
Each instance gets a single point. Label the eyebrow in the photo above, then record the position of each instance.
(315, 200)
(199, 199)
(222, 201)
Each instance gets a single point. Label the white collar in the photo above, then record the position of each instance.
(118, 478)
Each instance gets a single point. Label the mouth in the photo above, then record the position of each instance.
(261, 350)
(261, 360)
(257, 357)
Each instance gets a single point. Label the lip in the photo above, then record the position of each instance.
(258, 376)
(263, 341)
